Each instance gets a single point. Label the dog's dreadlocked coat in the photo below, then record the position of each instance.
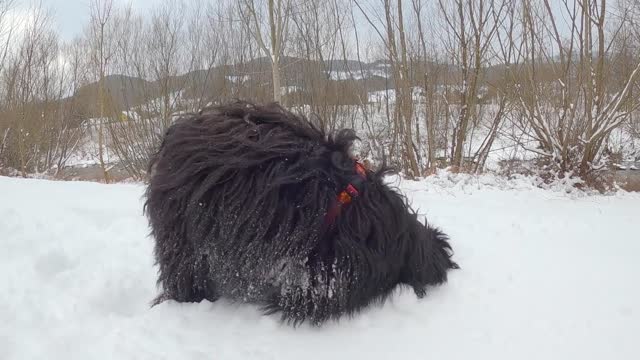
(255, 204)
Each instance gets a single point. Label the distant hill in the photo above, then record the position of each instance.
(122, 92)
(253, 77)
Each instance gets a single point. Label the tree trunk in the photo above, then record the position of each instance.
(275, 53)
(275, 74)
(103, 167)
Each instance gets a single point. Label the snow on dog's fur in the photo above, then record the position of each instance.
(238, 201)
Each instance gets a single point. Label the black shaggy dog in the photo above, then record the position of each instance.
(255, 204)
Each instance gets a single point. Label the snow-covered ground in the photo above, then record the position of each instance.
(546, 274)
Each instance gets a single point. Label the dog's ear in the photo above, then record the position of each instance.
(343, 140)
(428, 260)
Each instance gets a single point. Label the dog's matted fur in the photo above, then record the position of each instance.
(237, 203)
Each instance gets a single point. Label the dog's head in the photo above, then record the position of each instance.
(428, 260)
(382, 237)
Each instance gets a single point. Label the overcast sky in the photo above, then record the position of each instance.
(70, 16)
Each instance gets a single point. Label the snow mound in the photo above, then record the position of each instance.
(447, 181)
(545, 275)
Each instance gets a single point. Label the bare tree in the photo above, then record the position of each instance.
(6, 29)
(37, 135)
(470, 27)
(165, 38)
(101, 41)
(278, 15)
(6, 32)
(428, 91)
(173, 72)
(393, 36)
(568, 99)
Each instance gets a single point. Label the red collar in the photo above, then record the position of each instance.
(347, 195)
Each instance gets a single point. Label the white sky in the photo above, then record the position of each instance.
(70, 16)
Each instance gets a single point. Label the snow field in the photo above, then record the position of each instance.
(545, 274)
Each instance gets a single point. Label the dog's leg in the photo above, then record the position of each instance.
(291, 310)
(187, 281)
(204, 287)
(299, 301)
